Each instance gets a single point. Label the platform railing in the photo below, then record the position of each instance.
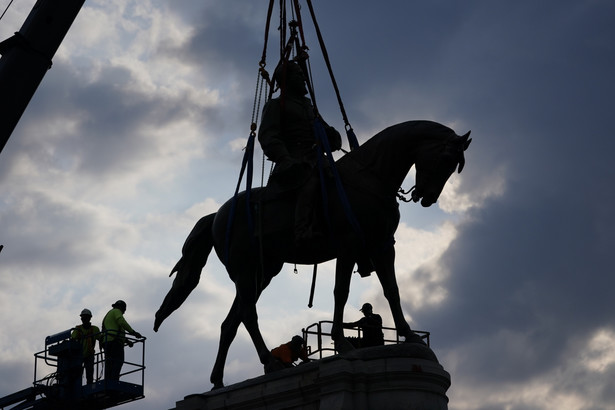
(61, 365)
(319, 344)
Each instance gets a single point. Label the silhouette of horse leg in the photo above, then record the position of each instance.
(228, 331)
(243, 310)
(248, 296)
(343, 273)
(384, 262)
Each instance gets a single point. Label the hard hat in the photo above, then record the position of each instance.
(298, 339)
(119, 304)
(366, 306)
(85, 312)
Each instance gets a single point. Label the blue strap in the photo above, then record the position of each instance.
(352, 139)
(321, 136)
(248, 163)
(323, 187)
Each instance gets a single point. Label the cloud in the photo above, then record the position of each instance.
(137, 130)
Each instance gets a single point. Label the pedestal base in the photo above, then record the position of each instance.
(404, 376)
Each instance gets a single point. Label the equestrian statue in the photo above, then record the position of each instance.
(255, 232)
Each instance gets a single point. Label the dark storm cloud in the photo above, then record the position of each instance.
(520, 265)
(110, 114)
(14, 369)
(531, 271)
(20, 214)
(226, 41)
(225, 46)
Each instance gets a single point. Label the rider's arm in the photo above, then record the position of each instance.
(269, 133)
(334, 137)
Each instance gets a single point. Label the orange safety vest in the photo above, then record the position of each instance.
(286, 355)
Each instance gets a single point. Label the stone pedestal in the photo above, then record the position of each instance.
(405, 376)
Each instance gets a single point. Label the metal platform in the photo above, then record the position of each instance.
(62, 385)
(319, 344)
(103, 394)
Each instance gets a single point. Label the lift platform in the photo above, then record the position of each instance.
(58, 380)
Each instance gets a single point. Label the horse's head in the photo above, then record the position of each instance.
(435, 166)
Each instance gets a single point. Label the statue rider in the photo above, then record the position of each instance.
(287, 137)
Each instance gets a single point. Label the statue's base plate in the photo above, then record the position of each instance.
(405, 376)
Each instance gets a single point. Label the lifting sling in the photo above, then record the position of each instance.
(295, 43)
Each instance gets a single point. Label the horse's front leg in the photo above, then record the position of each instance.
(384, 262)
(343, 274)
(249, 288)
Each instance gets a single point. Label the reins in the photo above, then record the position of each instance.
(400, 194)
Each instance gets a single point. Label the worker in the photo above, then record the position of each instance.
(289, 353)
(115, 328)
(371, 326)
(87, 334)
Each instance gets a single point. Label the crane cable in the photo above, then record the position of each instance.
(352, 139)
(6, 9)
(263, 76)
(301, 49)
(320, 134)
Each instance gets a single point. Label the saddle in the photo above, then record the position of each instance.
(273, 210)
(275, 206)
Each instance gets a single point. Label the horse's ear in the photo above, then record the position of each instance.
(466, 140)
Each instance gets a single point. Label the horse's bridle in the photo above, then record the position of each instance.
(451, 149)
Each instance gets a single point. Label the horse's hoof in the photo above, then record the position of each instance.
(273, 366)
(414, 338)
(157, 323)
(343, 346)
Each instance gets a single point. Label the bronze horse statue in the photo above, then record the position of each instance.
(371, 176)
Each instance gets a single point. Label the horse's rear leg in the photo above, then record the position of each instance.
(228, 330)
(243, 311)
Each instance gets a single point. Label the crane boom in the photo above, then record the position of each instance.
(26, 57)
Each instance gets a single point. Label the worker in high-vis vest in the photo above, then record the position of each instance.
(114, 328)
(87, 334)
(290, 352)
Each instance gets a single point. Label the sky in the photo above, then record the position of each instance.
(138, 128)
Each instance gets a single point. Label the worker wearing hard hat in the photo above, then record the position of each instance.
(87, 334)
(115, 328)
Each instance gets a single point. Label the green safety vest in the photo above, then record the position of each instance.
(115, 325)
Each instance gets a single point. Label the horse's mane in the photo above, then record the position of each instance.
(399, 135)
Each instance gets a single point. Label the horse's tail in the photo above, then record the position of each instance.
(195, 251)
